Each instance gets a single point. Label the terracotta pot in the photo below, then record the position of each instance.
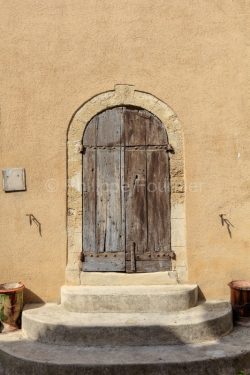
(11, 305)
(240, 298)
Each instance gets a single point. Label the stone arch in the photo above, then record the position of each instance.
(124, 95)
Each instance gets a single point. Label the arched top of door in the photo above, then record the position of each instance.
(125, 95)
(125, 126)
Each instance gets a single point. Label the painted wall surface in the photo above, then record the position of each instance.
(193, 55)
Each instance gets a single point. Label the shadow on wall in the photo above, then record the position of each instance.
(31, 297)
(201, 296)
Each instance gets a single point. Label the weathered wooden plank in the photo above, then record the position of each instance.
(122, 196)
(135, 200)
(155, 132)
(134, 127)
(109, 130)
(108, 201)
(88, 189)
(150, 266)
(89, 136)
(158, 200)
(105, 262)
(135, 182)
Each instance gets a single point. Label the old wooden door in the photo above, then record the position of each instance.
(126, 195)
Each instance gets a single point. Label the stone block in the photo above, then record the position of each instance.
(178, 235)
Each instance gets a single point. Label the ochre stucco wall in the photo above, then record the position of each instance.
(193, 55)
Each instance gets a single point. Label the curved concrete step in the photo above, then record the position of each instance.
(127, 299)
(52, 324)
(228, 356)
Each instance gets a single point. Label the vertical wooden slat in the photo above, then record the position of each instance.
(158, 200)
(108, 202)
(109, 234)
(135, 200)
(122, 185)
(88, 188)
(135, 182)
(89, 136)
(134, 128)
(109, 128)
(89, 200)
(158, 188)
(155, 132)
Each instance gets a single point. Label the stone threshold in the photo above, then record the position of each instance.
(120, 278)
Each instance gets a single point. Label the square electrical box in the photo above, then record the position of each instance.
(14, 179)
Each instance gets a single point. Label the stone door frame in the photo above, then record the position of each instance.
(123, 95)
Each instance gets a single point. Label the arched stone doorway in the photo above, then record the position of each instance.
(123, 96)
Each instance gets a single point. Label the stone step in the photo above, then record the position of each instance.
(128, 299)
(228, 356)
(122, 278)
(52, 324)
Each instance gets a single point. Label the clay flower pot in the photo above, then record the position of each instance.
(11, 305)
(240, 299)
